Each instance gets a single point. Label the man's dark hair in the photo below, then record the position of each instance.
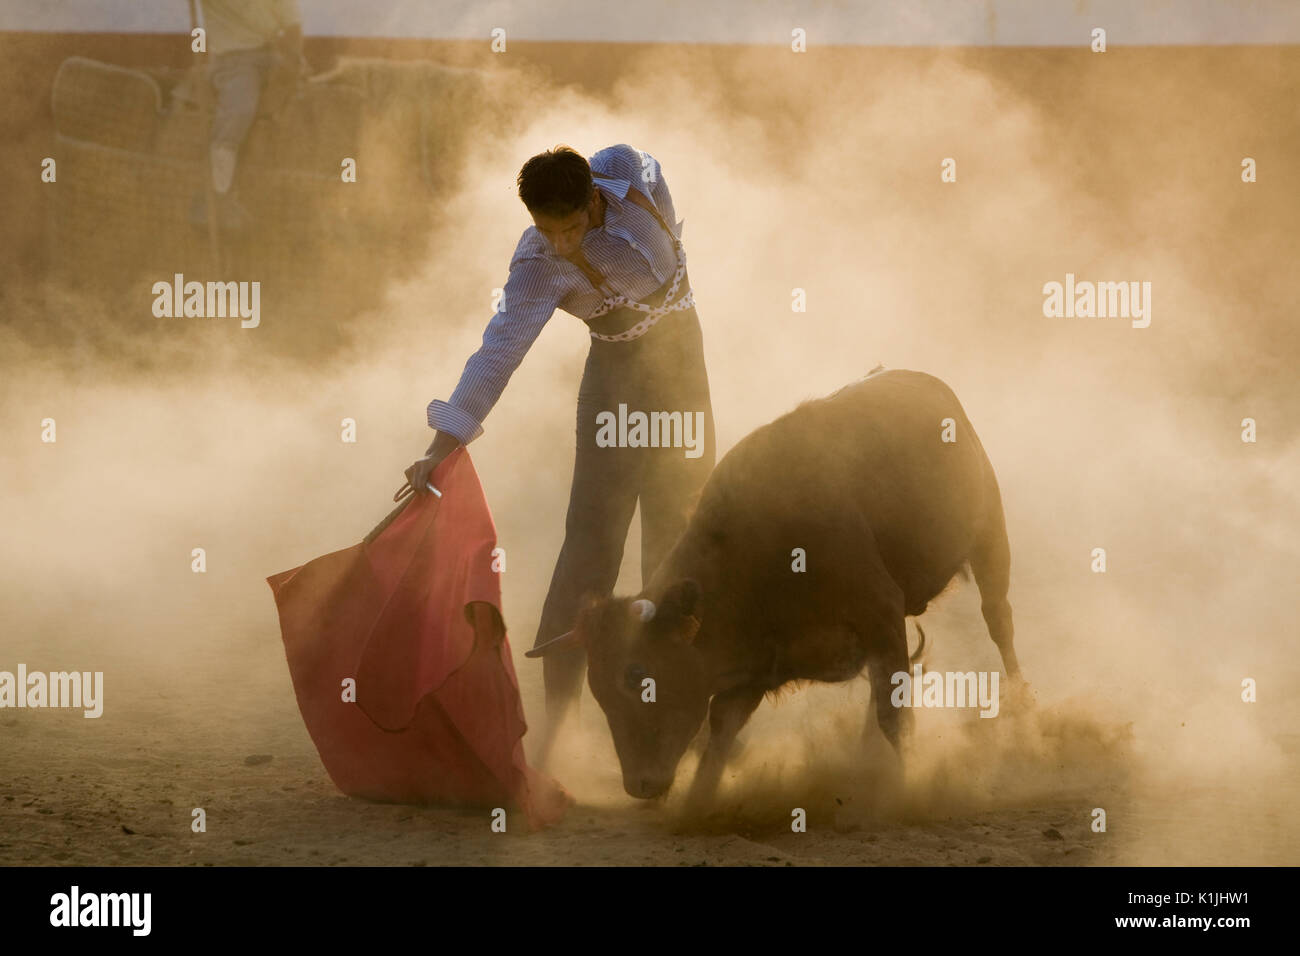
(556, 182)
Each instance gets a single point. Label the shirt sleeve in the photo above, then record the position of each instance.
(658, 187)
(530, 297)
(644, 173)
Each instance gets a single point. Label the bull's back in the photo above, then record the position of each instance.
(875, 448)
(923, 480)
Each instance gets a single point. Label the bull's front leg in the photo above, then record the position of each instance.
(728, 712)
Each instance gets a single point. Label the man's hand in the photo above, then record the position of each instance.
(417, 475)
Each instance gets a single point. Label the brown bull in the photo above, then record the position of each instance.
(885, 511)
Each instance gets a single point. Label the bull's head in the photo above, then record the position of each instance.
(630, 642)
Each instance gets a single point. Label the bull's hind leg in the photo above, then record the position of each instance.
(879, 620)
(890, 658)
(990, 562)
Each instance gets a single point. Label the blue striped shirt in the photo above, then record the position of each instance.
(630, 249)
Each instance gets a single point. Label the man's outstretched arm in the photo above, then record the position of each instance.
(529, 300)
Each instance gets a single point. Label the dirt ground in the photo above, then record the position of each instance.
(120, 790)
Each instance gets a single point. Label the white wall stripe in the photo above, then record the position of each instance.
(848, 22)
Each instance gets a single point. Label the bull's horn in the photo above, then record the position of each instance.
(567, 639)
(644, 609)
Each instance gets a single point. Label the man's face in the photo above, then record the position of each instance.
(565, 233)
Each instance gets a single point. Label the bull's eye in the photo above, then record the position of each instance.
(633, 676)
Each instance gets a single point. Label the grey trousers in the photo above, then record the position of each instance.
(664, 371)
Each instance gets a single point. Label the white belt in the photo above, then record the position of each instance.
(653, 313)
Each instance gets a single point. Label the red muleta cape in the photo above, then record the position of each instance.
(414, 619)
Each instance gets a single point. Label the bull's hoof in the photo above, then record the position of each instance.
(699, 804)
(704, 815)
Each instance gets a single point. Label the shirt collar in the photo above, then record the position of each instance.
(617, 187)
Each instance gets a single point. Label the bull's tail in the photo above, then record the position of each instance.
(920, 648)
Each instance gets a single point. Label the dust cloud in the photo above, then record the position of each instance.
(819, 172)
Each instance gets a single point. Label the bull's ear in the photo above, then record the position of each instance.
(679, 611)
(686, 631)
(681, 599)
